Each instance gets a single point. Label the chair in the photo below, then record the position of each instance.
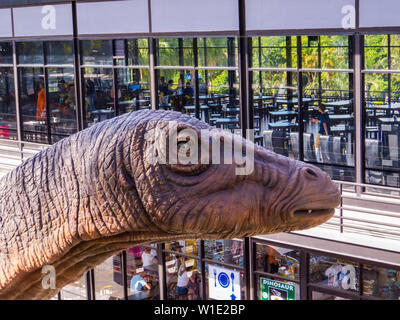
(392, 157)
(372, 154)
(276, 141)
(392, 180)
(308, 145)
(327, 149)
(374, 177)
(268, 140)
(294, 145)
(338, 147)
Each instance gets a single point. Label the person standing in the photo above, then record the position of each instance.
(324, 129)
(41, 103)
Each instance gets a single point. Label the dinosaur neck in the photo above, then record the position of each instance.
(64, 200)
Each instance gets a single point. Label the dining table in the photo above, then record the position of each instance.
(283, 124)
(339, 106)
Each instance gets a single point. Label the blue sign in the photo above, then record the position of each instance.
(226, 283)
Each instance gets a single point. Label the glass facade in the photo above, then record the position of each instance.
(214, 270)
(299, 95)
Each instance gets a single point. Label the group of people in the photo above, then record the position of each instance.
(182, 93)
(187, 284)
(187, 287)
(65, 99)
(141, 283)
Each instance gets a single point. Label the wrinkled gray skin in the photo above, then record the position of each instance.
(93, 194)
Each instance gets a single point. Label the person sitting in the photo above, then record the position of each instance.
(163, 87)
(140, 286)
(194, 286)
(188, 91)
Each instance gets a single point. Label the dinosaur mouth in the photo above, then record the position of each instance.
(314, 212)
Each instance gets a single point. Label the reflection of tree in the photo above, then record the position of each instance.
(212, 52)
(328, 52)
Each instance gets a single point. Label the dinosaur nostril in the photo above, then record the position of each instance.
(311, 172)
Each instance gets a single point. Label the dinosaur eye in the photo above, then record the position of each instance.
(187, 159)
(183, 147)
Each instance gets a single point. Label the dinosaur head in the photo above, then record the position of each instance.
(145, 177)
(195, 179)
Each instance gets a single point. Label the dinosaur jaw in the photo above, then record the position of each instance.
(306, 213)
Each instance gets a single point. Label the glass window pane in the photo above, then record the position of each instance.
(217, 52)
(8, 120)
(175, 90)
(108, 280)
(98, 94)
(97, 52)
(33, 104)
(376, 52)
(183, 277)
(333, 272)
(284, 262)
(227, 251)
(75, 291)
(381, 282)
(142, 273)
(134, 89)
(224, 283)
(62, 102)
(381, 128)
(275, 110)
(275, 51)
(30, 52)
(6, 53)
(316, 295)
(189, 247)
(329, 130)
(220, 98)
(59, 52)
(175, 52)
(138, 52)
(327, 52)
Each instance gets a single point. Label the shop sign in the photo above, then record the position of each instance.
(223, 284)
(276, 290)
(48, 20)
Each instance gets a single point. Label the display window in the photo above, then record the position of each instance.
(189, 247)
(381, 282)
(108, 284)
(183, 277)
(316, 295)
(333, 272)
(226, 251)
(142, 273)
(76, 290)
(284, 262)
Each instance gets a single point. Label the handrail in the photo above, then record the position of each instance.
(353, 218)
